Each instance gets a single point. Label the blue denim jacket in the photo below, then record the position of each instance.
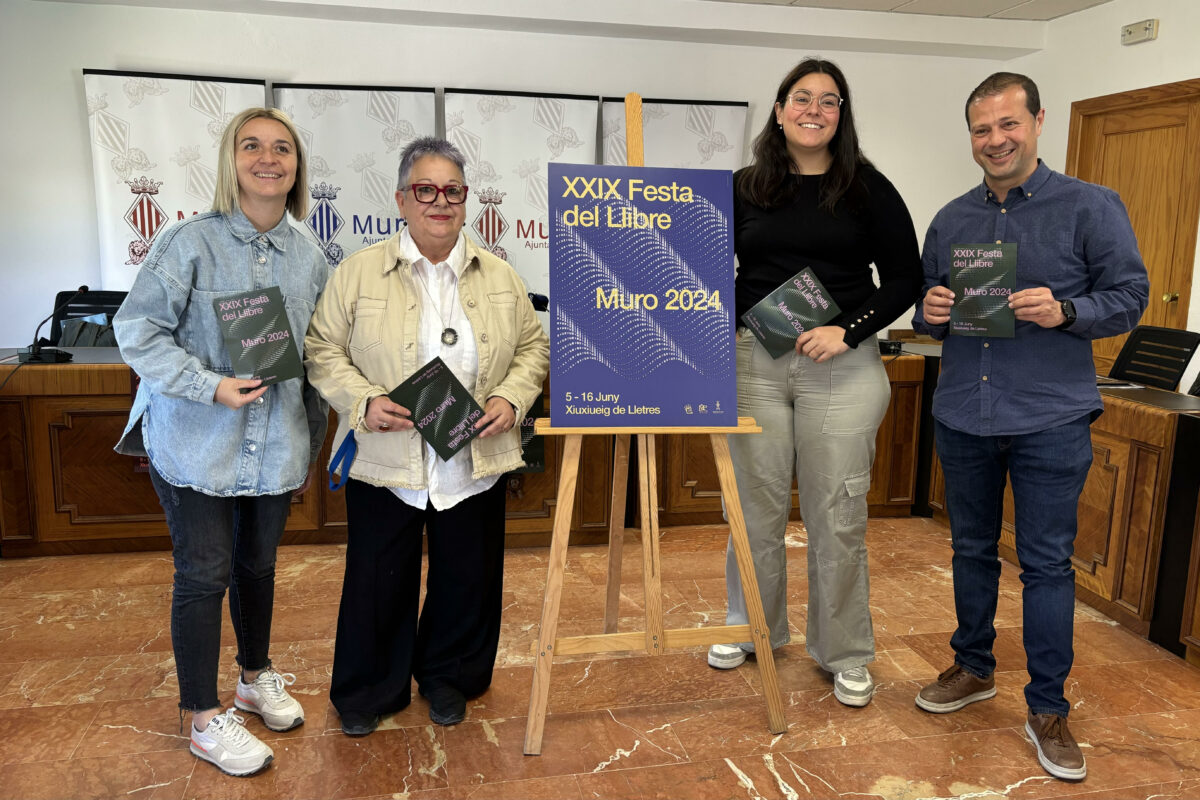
(168, 332)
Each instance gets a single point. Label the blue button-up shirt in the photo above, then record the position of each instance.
(168, 332)
(1072, 237)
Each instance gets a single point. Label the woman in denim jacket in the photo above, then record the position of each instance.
(226, 454)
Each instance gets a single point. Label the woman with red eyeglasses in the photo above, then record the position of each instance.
(389, 309)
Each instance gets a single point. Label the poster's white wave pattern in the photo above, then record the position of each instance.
(642, 260)
(637, 349)
(575, 344)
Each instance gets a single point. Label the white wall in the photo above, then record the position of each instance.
(909, 107)
(1084, 58)
(47, 217)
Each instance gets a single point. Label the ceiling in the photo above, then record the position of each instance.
(993, 9)
(994, 30)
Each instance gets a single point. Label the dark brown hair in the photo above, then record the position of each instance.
(765, 182)
(997, 82)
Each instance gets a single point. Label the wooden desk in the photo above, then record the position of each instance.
(1138, 504)
(62, 487)
(690, 492)
(1137, 516)
(64, 490)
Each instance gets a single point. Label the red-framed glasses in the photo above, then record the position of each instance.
(456, 193)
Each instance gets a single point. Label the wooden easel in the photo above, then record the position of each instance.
(654, 640)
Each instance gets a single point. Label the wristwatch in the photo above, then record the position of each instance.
(1068, 312)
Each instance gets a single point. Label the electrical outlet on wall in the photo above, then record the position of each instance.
(1138, 32)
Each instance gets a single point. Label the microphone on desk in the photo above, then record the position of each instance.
(35, 353)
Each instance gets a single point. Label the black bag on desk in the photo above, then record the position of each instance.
(81, 333)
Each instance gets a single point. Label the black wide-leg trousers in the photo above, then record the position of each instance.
(382, 643)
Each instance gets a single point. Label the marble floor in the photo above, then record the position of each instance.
(88, 694)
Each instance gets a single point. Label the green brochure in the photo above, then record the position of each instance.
(982, 276)
(443, 411)
(258, 337)
(800, 304)
(533, 447)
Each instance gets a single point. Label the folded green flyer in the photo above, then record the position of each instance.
(982, 276)
(443, 411)
(533, 447)
(257, 335)
(799, 304)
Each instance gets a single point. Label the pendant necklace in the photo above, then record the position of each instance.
(449, 335)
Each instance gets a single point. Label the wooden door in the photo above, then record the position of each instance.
(1145, 144)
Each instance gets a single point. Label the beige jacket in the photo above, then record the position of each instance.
(362, 343)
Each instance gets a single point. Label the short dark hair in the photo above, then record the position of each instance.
(427, 146)
(997, 82)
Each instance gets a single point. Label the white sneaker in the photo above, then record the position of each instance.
(229, 746)
(726, 656)
(267, 696)
(854, 686)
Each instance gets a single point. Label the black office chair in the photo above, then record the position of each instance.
(1155, 356)
(1195, 390)
(86, 304)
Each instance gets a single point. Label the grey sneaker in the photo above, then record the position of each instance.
(854, 686)
(1057, 751)
(267, 696)
(954, 689)
(726, 656)
(225, 743)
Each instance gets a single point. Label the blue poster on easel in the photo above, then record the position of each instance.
(641, 297)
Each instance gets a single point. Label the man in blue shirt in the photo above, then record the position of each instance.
(1021, 407)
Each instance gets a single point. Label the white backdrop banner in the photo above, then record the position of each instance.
(680, 133)
(353, 136)
(154, 145)
(508, 139)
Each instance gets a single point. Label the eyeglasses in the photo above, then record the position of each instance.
(456, 194)
(803, 98)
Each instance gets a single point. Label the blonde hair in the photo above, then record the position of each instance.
(225, 197)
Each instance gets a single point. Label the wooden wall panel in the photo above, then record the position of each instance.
(1120, 511)
(533, 496)
(1100, 504)
(85, 490)
(16, 520)
(63, 489)
(688, 487)
(1134, 587)
(689, 491)
(894, 473)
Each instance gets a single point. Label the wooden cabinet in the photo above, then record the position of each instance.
(64, 490)
(1121, 511)
(893, 475)
(1137, 516)
(1125, 505)
(689, 492)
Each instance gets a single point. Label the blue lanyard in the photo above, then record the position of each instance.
(341, 462)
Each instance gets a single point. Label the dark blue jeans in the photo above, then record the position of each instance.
(1047, 470)
(220, 542)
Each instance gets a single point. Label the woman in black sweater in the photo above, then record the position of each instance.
(811, 199)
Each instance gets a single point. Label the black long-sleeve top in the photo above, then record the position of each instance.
(868, 226)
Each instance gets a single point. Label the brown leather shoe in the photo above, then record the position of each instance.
(1056, 748)
(954, 689)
